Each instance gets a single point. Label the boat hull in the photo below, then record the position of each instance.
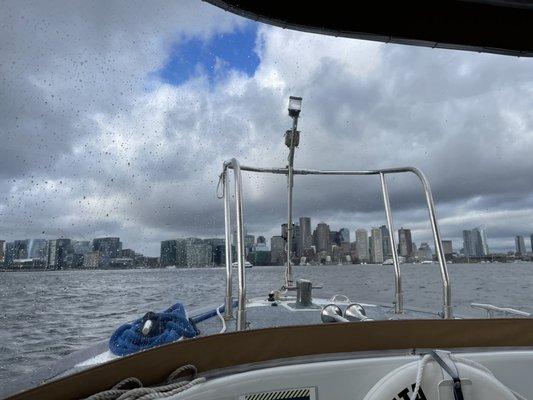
(291, 343)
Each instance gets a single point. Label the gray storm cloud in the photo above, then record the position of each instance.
(94, 143)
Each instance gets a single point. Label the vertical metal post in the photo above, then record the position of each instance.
(241, 311)
(446, 285)
(290, 180)
(398, 295)
(228, 314)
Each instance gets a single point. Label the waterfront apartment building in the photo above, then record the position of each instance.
(193, 252)
(38, 249)
(21, 249)
(168, 253)
(59, 253)
(199, 255)
(91, 260)
(2, 251)
(361, 245)
(109, 247)
(81, 246)
(9, 254)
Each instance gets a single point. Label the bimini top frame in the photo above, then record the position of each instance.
(447, 311)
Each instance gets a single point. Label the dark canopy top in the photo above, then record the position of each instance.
(493, 26)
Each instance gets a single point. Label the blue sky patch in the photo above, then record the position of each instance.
(214, 57)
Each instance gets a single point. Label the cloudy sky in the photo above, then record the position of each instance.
(116, 117)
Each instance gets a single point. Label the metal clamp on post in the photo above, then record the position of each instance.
(446, 363)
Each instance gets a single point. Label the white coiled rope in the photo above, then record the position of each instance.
(420, 374)
(221, 319)
(172, 386)
(428, 358)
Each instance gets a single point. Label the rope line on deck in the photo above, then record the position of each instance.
(133, 389)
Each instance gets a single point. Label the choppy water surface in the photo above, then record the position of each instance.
(46, 315)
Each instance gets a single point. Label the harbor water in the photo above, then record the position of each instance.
(49, 314)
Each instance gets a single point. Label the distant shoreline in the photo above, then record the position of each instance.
(69, 269)
(257, 266)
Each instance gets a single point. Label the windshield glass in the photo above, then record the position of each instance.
(116, 119)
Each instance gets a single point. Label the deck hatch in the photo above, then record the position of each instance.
(308, 393)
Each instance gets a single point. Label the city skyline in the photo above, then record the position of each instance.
(318, 243)
(134, 149)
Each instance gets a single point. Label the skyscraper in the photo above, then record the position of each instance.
(2, 252)
(296, 238)
(447, 247)
(361, 245)
(322, 238)
(482, 247)
(475, 242)
(468, 245)
(385, 238)
(249, 241)
(277, 250)
(531, 239)
(405, 242)
(306, 236)
(234, 235)
(520, 245)
(344, 235)
(377, 246)
(295, 235)
(334, 238)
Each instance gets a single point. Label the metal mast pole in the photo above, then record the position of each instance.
(292, 140)
(290, 183)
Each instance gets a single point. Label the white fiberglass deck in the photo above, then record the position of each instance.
(351, 378)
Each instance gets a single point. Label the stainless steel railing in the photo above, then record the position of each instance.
(241, 307)
(398, 293)
(491, 310)
(233, 164)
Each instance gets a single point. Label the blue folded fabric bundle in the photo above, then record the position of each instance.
(169, 326)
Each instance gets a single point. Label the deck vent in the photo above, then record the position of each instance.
(308, 393)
